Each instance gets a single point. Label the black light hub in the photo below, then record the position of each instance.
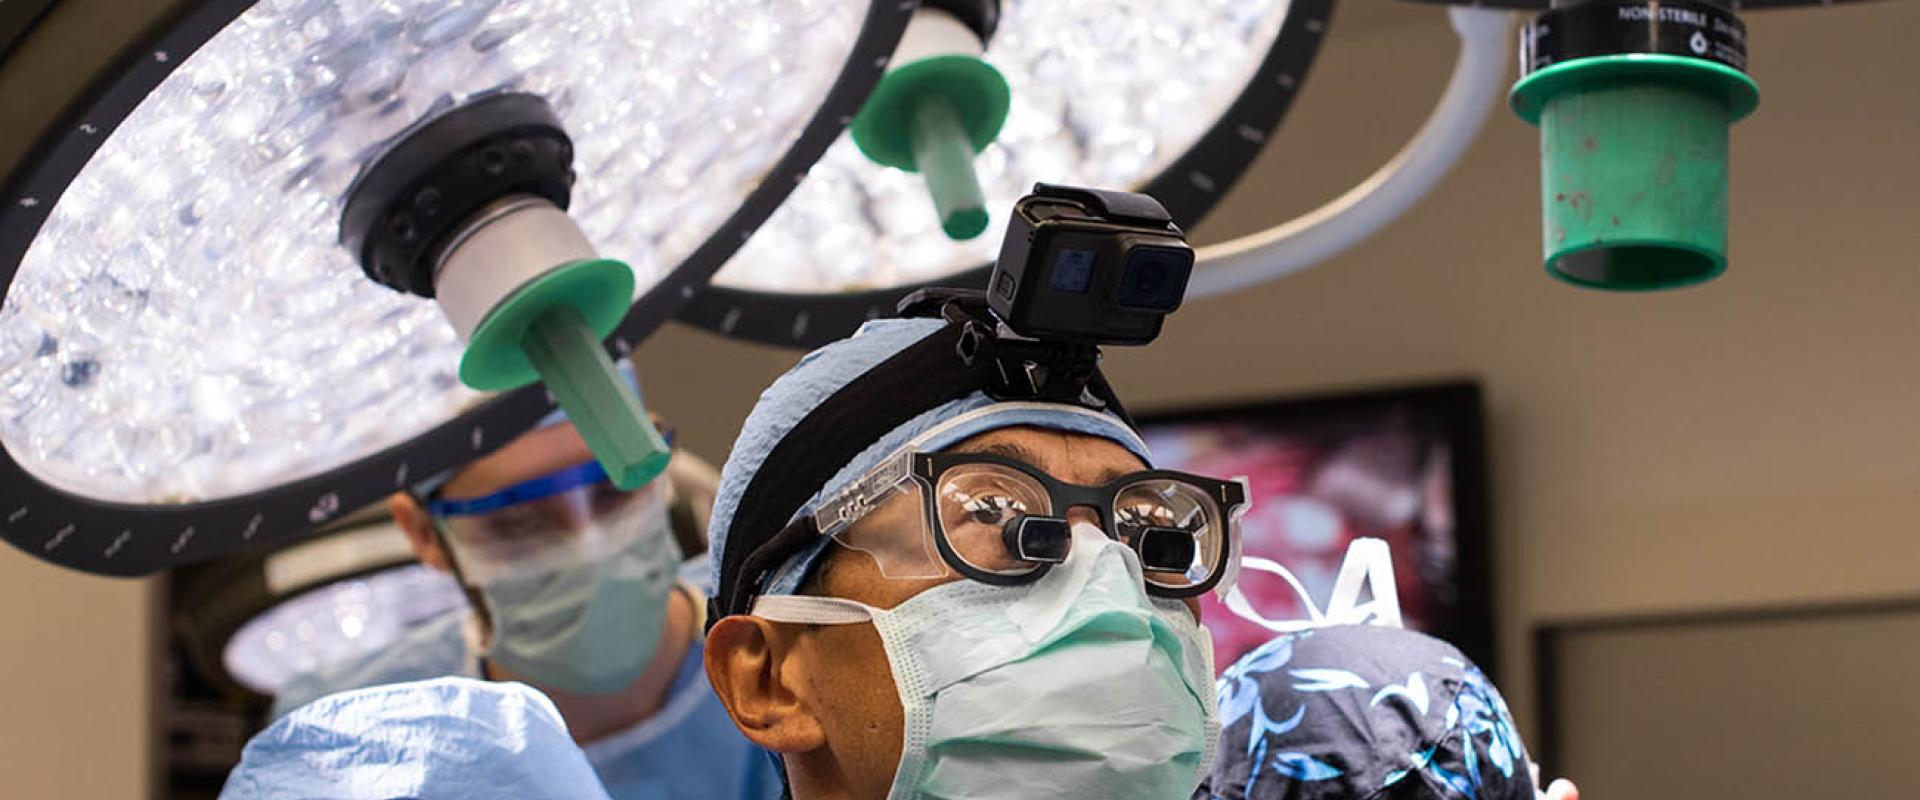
(408, 204)
(980, 16)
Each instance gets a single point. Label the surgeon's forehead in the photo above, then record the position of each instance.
(1071, 457)
(536, 453)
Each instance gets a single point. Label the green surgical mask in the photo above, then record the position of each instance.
(591, 621)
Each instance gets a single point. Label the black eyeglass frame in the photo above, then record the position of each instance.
(759, 564)
(1226, 496)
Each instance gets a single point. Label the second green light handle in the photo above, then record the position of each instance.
(597, 399)
(944, 156)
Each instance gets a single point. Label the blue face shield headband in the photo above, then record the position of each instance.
(562, 518)
(539, 488)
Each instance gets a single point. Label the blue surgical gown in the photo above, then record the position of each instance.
(442, 739)
(688, 749)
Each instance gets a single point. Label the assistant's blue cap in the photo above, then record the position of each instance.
(440, 739)
(824, 372)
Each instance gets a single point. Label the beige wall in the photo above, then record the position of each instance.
(1749, 442)
(75, 688)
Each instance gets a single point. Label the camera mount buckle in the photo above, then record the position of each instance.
(1011, 367)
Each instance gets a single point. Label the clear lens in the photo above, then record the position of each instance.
(976, 503)
(569, 528)
(1170, 504)
(894, 532)
(185, 327)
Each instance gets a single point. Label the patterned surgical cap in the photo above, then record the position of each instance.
(1361, 712)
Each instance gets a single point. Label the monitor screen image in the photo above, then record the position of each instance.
(1405, 465)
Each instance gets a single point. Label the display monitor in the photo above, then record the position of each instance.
(1407, 465)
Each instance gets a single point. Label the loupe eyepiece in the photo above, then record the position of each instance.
(1165, 549)
(1042, 540)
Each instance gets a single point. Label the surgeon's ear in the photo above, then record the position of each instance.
(750, 663)
(418, 526)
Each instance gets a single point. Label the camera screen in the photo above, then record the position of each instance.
(1072, 271)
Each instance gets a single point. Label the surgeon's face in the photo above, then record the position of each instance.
(535, 453)
(839, 674)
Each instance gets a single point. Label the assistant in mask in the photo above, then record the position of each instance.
(926, 592)
(573, 590)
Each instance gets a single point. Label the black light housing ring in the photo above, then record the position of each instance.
(1189, 188)
(129, 539)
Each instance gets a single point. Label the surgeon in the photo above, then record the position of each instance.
(572, 588)
(924, 591)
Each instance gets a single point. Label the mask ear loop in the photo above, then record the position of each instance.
(1368, 561)
(1237, 602)
(808, 610)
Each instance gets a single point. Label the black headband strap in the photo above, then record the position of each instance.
(915, 380)
(904, 386)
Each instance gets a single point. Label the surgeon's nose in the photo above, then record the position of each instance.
(1086, 514)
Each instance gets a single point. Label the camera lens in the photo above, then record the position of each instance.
(1155, 278)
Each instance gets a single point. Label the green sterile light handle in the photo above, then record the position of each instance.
(597, 399)
(944, 155)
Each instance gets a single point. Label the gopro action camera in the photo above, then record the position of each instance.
(1089, 266)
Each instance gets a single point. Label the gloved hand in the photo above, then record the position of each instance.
(1562, 789)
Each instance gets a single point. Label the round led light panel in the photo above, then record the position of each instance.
(1106, 93)
(344, 620)
(184, 326)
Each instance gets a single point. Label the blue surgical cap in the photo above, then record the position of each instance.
(823, 372)
(444, 738)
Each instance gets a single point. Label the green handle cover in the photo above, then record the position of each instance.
(597, 399)
(1634, 185)
(931, 116)
(1633, 166)
(944, 154)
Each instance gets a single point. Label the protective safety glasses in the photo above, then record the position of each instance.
(1001, 521)
(563, 518)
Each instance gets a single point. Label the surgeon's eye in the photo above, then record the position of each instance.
(992, 509)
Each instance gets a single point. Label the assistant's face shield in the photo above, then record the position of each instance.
(568, 517)
(1001, 521)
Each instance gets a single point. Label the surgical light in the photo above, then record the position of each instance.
(187, 357)
(1173, 99)
(337, 623)
(255, 621)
